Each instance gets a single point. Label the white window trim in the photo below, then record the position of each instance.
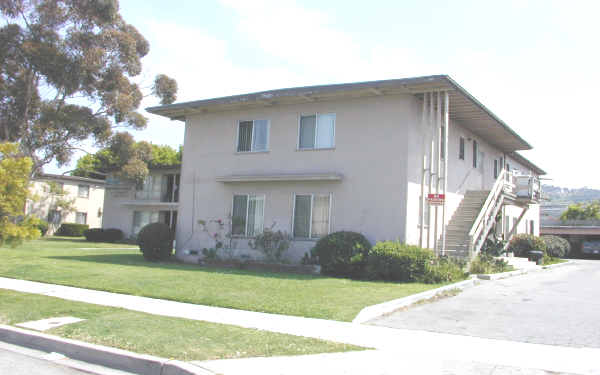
(248, 195)
(237, 138)
(312, 197)
(315, 148)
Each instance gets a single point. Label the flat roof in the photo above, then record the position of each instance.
(50, 176)
(464, 108)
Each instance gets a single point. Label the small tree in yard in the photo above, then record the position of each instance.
(14, 190)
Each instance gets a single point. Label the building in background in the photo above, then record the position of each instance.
(49, 191)
(129, 207)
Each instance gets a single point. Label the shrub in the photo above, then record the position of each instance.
(443, 270)
(103, 235)
(43, 227)
(273, 244)
(93, 234)
(395, 261)
(493, 246)
(156, 241)
(522, 244)
(71, 229)
(556, 246)
(486, 264)
(342, 253)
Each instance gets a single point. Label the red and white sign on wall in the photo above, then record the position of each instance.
(436, 199)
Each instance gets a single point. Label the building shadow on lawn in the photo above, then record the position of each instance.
(138, 261)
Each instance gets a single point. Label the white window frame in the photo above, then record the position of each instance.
(316, 114)
(237, 138)
(79, 191)
(263, 196)
(312, 198)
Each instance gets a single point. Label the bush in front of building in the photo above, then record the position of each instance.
(342, 254)
(156, 241)
(396, 261)
(442, 270)
(522, 244)
(103, 235)
(71, 230)
(556, 247)
(42, 225)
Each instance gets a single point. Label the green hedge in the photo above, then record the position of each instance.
(342, 254)
(103, 235)
(71, 230)
(395, 261)
(156, 241)
(522, 244)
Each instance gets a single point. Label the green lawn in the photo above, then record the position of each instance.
(182, 339)
(61, 261)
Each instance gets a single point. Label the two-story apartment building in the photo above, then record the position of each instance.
(130, 207)
(86, 195)
(418, 160)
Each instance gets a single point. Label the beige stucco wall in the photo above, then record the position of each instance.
(43, 201)
(370, 152)
(461, 178)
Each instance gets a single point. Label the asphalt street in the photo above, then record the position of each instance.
(560, 306)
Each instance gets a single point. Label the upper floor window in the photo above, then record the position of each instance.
(317, 131)
(253, 136)
(461, 148)
(248, 215)
(83, 191)
(475, 151)
(170, 188)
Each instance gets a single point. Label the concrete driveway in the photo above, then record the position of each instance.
(559, 306)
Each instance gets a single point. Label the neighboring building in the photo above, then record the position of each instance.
(129, 207)
(362, 157)
(87, 195)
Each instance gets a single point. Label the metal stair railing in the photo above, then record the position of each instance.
(487, 215)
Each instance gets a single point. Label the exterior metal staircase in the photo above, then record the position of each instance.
(475, 216)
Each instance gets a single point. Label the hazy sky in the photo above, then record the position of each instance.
(533, 63)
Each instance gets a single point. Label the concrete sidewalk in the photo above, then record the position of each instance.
(404, 343)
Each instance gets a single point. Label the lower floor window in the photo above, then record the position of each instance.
(143, 218)
(311, 215)
(81, 217)
(248, 215)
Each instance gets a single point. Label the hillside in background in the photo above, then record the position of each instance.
(557, 194)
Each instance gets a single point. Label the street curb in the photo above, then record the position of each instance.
(101, 355)
(558, 265)
(502, 275)
(374, 311)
